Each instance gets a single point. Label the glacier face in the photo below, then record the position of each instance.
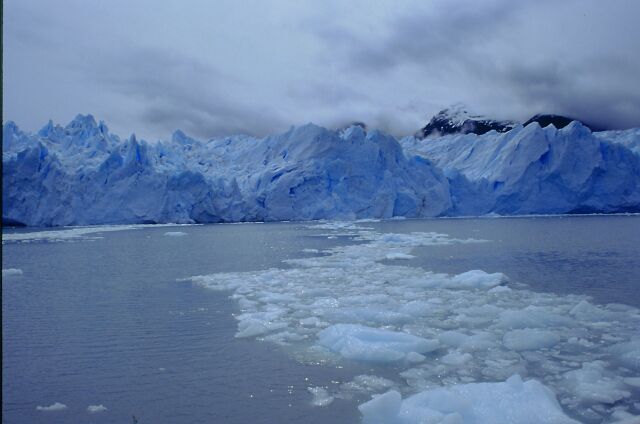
(534, 170)
(82, 174)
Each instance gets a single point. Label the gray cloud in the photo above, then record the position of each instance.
(258, 67)
(178, 91)
(510, 58)
(434, 40)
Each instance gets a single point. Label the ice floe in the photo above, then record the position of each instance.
(175, 233)
(530, 339)
(320, 396)
(52, 408)
(395, 256)
(10, 272)
(442, 336)
(512, 401)
(365, 384)
(94, 409)
(363, 343)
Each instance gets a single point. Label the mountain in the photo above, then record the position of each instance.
(82, 174)
(458, 120)
(557, 121)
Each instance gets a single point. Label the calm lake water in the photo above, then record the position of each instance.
(104, 321)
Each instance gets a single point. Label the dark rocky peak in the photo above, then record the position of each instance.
(558, 121)
(457, 119)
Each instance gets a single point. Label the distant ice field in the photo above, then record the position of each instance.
(71, 234)
(442, 320)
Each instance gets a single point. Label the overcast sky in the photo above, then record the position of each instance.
(223, 67)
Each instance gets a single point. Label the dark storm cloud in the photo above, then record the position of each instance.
(427, 38)
(604, 96)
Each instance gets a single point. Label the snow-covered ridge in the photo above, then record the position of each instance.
(81, 174)
(457, 119)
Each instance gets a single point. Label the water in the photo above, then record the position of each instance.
(105, 322)
(592, 255)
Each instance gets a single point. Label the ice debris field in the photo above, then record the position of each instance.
(81, 174)
(466, 348)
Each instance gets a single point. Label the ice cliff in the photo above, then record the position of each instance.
(82, 174)
(534, 170)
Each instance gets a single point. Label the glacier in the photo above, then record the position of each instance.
(81, 174)
(535, 170)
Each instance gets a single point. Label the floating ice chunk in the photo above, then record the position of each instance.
(175, 233)
(499, 289)
(453, 338)
(367, 383)
(252, 328)
(284, 337)
(382, 409)
(470, 280)
(258, 323)
(532, 317)
(320, 396)
(94, 409)
(477, 279)
(52, 408)
(10, 272)
(373, 382)
(274, 297)
(632, 381)
(479, 341)
(589, 312)
(414, 357)
(369, 315)
(512, 401)
(530, 339)
(336, 225)
(628, 353)
(592, 383)
(624, 417)
(398, 256)
(416, 308)
(456, 358)
(583, 307)
(310, 250)
(363, 343)
(313, 322)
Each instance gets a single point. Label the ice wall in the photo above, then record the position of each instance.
(83, 174)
